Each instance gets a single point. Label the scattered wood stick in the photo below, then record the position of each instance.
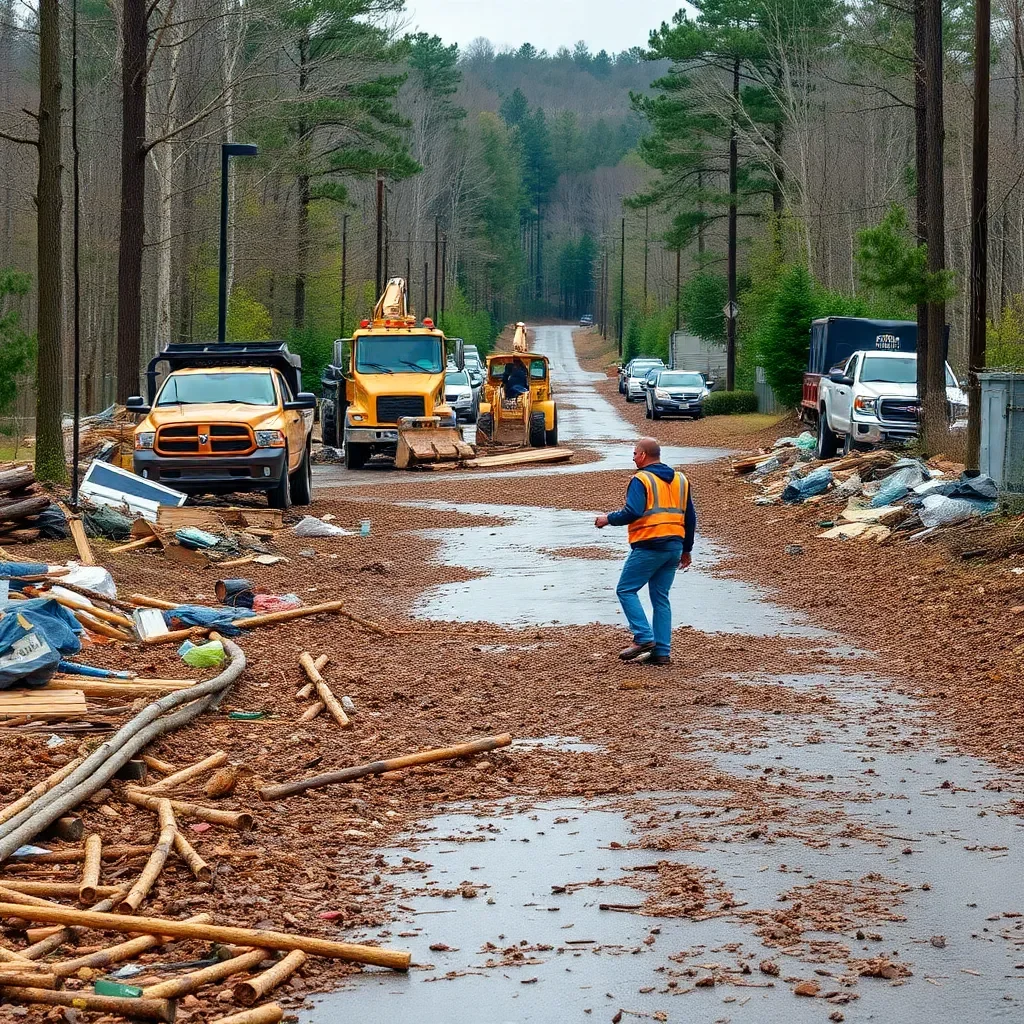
(110, 688)
(44, 946)
(269, 1014)
(373, 627)
(292, 613)
(91, 869)
(324, 691)
(312, 711)
(152, 602)
(116, 954)
(163, 767)
(58, 889)
(102, 628)
(239, 820)
(232, 562)
(187, 853)
(305, 692)
(379, 767)
(134, 545)
(190, 772)
(155, 864)
(175, 635)
(314, 946)
(77, 527)
(114, 618)
(250, 991)
(38, 790)
(140, 1009)
(187, 983)
(74, 856)
(12, 956)
(28, 980)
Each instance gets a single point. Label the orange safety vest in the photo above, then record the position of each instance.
(665, 514)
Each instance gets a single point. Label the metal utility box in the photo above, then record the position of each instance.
(1002, 429)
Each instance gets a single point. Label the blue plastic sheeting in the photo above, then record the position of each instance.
(33, 637)
(220, 619)
(8, 570)
(814, 483)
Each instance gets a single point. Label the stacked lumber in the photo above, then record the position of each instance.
(21, 501)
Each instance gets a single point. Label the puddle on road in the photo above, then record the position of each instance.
(588, 963)
(521, 585)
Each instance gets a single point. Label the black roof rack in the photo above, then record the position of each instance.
(272, 354)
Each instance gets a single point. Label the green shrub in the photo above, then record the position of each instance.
(730, 403)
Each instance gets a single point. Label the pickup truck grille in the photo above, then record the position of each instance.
(391, 408)
(205, 439)
(898, 410)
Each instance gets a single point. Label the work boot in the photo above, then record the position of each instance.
(634, 651)
(659, 659)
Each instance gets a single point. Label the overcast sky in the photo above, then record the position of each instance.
(611, 25)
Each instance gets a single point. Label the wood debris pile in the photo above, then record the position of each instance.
(21, 501)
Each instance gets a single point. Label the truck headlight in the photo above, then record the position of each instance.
(357, 417)
(145, 439)
(868, 406)
(269, 439)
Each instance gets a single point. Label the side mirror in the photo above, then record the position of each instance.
(303, 400)
(137, 404)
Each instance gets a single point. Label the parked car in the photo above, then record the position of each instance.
(586, 320)
(460, 394)
(636, 370)
(872, 397)
(675, 393)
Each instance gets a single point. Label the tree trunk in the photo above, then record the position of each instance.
(50, 462)
(934, 423)
(302, 253)
(921, 167)
(730, 321)
(134, 43)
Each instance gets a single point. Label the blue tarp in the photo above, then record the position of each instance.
(200, 615)
(8, 570)
(34, 635)
(798, 490)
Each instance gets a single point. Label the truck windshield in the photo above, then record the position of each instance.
(681, 380)
(401, 354)
(218, 388)
(902, 370)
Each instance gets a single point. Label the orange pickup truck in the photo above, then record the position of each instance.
(227, 418)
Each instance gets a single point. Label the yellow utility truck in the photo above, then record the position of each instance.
(384, 391)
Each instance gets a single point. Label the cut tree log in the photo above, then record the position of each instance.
(91, 868)
(16, 478)
(163, 767)
(26, 536)
(38, 790)
(186, 851)
(252, 990)
(239, 820)
(186, 774)
(324, 691)
(155, 864)
(480, 746)
(117, 954)
(353, 953)
(70, 828)
(22, 508)
(139, 1009)
(187, 983)
(269, 1014)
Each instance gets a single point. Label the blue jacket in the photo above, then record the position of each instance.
(636, 505)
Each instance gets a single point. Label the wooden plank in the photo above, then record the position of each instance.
(531, 455)
(77, 527)
(42, 702)
(215, 517)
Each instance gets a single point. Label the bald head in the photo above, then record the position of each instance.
(646, 451)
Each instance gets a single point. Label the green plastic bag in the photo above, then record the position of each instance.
(207, 655)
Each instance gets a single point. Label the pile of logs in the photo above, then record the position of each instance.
(21, 501)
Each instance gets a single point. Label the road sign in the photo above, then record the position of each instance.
(731, 310)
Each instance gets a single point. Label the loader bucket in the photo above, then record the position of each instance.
(422, 440)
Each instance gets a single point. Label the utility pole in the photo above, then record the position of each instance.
(730, 321)
(604, 297)
(979, 225)
(75, 267)
(444, 267)
(647, 249)
(679, 260)
(437, 257)
(387, 234)
(380, 233)
(426, 278)
(344, 268)
(622, 282)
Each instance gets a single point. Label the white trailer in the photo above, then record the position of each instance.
(688, 352)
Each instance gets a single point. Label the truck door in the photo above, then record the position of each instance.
(293, 426)
(842, 397)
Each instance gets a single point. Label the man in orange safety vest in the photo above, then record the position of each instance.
(662, 522)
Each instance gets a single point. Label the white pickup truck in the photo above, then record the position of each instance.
(872, 398)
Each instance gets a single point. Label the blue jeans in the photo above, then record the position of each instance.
(655, 570)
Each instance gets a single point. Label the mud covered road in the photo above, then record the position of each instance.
(771, 829)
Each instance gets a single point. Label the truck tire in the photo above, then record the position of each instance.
(828, 441)
(537, 431)
(551, 436)
(280, 496)
(485, 426)
(356, 455)
(302, 481)
(329, 424)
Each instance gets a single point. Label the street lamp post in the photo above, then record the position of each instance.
(227, 150)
